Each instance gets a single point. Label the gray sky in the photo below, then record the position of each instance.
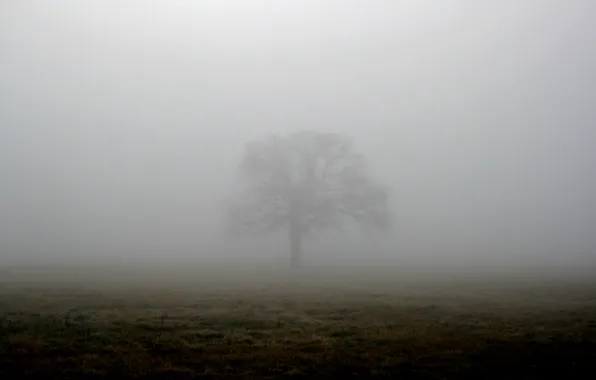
(122, 122)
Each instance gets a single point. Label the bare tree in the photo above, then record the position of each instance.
(306, 182)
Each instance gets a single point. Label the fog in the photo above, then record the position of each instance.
(122, 124)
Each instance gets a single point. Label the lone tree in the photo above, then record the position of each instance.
(306, 182)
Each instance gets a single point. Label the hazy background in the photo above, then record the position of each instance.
(122, 123)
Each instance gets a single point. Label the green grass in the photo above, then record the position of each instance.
(309, 325)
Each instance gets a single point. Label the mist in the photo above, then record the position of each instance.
(122, 125)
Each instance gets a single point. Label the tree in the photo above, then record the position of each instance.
(306, 182)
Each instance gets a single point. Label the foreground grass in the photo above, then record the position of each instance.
(303, 327)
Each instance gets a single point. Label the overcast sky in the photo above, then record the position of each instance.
(122, 122)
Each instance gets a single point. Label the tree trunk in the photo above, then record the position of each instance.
(295, 233)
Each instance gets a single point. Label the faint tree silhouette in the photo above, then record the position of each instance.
(305, 182)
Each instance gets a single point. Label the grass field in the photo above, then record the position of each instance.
(215, 323)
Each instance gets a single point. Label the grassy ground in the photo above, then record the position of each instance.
(311, 325)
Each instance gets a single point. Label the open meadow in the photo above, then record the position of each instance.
(187, 322)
